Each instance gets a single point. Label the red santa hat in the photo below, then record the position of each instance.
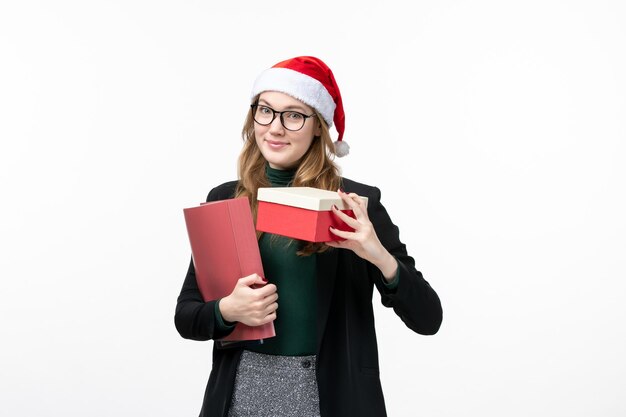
(311, 81)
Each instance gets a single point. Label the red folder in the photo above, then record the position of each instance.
(224, 248)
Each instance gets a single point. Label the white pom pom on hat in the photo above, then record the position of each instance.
(341, 148)
(311, 81)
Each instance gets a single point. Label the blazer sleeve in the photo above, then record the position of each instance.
(412, 299)
(194, 318)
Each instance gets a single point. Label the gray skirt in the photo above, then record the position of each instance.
(276, 386)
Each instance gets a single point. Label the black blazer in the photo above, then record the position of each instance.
(347, 353)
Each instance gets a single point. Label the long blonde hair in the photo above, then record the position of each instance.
(316, 169)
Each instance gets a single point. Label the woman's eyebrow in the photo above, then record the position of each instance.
(293, 107)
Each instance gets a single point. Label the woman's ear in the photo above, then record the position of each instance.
(318, 128)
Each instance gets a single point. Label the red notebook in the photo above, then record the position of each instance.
(224, 248)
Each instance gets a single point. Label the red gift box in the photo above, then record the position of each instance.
(303, 213)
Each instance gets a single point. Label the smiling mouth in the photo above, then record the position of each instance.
(276, 144)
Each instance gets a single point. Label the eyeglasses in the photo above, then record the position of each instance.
(291, 120)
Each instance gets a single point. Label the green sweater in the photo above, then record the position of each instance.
(295, 280)
(294, 277)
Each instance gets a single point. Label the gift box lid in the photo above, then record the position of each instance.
(303, 197)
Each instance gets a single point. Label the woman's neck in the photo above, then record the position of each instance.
(280, 177)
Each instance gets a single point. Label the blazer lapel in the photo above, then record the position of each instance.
(326, 264)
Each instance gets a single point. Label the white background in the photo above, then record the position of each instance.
(496, 131)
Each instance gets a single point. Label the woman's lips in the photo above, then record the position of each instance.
(275, 144)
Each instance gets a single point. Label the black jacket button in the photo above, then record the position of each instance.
(306, 363)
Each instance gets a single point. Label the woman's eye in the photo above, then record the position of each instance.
(294, 116)
(265, 110)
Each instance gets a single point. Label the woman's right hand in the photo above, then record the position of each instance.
(250, 305)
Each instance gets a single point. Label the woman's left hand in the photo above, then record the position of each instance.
(363, 240)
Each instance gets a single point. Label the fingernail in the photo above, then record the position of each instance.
(341, 189)
(335, 207)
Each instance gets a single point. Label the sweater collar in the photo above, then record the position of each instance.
(279, 177)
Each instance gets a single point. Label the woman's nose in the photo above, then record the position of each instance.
(276, 127)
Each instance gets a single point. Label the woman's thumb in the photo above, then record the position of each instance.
(252, 280)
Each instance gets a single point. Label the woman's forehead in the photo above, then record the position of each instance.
(282, 101)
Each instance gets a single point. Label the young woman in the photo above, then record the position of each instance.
(324, 358)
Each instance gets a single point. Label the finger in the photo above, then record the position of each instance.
(341, 233)
(355, 203)
(266, 290)
(356, 198)
(263, 318)
(346, 198)
(271, 308)
(271, 298)
(268, 319)
(250, 280)
(361, 207)
(259, 321)
(350, 221)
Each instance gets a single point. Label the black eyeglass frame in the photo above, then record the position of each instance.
(279, 113)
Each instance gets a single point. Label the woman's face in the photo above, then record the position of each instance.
(282, 148)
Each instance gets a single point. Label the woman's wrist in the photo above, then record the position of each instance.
(224, 306)
(222, 323)
(388, 267)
